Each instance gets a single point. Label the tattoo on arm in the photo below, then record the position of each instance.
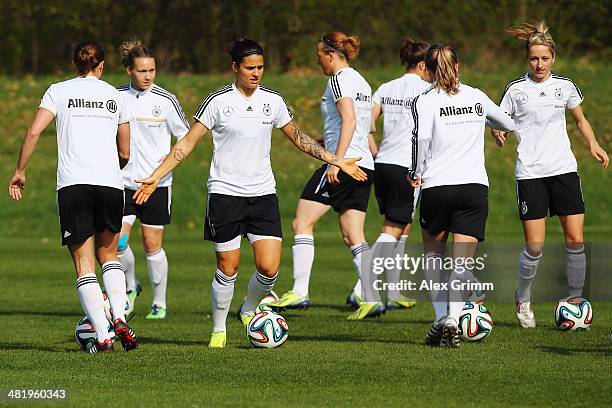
(307, 144)
(179, 155)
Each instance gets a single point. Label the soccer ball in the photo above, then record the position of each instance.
(85, 334)
(475, 322)
(263, 305)
(267, 330)
(573, 313)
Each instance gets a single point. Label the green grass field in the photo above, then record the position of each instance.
(327, 361)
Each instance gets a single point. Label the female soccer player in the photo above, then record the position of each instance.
(156, 115)
(93, 139)
(395, 195)
(346, 109)
(448, 162)
(241, 189)
(546, 170)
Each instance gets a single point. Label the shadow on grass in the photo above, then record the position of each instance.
(39, 313)
(349, 339)
(157, 340)
(562, 351)
(23, 346)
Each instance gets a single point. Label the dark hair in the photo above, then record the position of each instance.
(412, 52)
(342, 44)
(87, 56)
(441, 60)
(240, 47)
(133, 49)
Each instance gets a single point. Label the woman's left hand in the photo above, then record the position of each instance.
(349, 166)
(600, 155)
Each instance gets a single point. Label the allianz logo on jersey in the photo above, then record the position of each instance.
(363, 97)
(111, 105)
(389, 101)
(461, 110)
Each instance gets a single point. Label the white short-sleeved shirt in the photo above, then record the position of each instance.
(395, 99)
(538, 109)
(242, 137)
(87, 113)
(155, 115)
(448, 137)
(348, 83)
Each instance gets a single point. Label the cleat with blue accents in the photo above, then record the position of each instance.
(217, 339)
(291, 300)
(157, 312)
(367, 310)
(353, 300)
(402, 302)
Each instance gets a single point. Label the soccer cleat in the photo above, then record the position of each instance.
(217, 339)
(367, 310)
(157, 312)
(434, 336)
(245, 318)
(353, 300)
(450, 336)
(402, 302)
(525, 315)
(105, 347)
(291, 300)
(126, 335)
(131, 295)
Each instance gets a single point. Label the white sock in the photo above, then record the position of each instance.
(527, 269)
(357, 289)
(393, 275)
(303, 256)
(434, 272)
(259, 287)
(222, 294)
(386, 247)
(457, 298)
(157, 264)
(575, 270)
(362, 261)
(114, 283)
(92, 302)
(126, 257)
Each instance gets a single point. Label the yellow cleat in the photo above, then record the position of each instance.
(217, 340)
(367, 310)
(402, 303)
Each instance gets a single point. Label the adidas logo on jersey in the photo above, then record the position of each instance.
(249, 109)
(542, 93)
(67, 234)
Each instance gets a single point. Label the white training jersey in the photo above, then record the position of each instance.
(242, 137)
(395, 99)
(448, 137)
(155, 115)
(87, 113)
(538, 109)
(348, 83)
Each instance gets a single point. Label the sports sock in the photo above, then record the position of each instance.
(575, 269)
(126, 257)
(456, 297)
(303, 256)
(259, 286)
(222, 294)
(362, 261)
(392, 275)
(92, 302)
(114, 283)
(157, 264)
(527, 269)
(434, 273)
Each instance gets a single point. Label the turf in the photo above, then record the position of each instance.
(327, 361)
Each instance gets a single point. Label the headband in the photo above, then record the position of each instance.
(327, 44)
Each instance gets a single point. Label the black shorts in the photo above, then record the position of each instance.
(394, 193)
(229, 216)
(85, 210)
(460, 209)
(315, 189)
(351, 194)
(556, 195)
(156, 211)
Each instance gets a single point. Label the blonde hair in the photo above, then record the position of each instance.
(441, 60)
(345, 45)
(533, 34)
(134, 48)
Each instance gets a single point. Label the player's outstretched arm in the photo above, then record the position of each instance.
(178, 153)
(308, 145)
(41, 121)
(587, 132)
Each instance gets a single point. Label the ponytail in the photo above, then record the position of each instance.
(441, 60)
(533, 34)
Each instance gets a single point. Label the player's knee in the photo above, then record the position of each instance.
(534, 250)
(301, 226)
(151, 246)
(268, 269)
(574, 241)
(123, 242)
(228, 268)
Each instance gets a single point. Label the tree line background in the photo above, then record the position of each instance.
(190, 36)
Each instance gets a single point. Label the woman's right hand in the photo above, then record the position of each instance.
(349, 166)
(414, 182)
(17, 184)
(147, 188)
(500, 137)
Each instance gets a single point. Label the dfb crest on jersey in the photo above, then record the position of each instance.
(524, 208)
(228, 110)
(407, 103)
(111, 105)
(522, 98)
(478, 109)
(156, 111)
(558, 93)
(267, 110)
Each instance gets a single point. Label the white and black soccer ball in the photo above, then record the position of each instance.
(475, 322)
(85, 334)
(263, 305)
(573, 313)
(267, 330)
